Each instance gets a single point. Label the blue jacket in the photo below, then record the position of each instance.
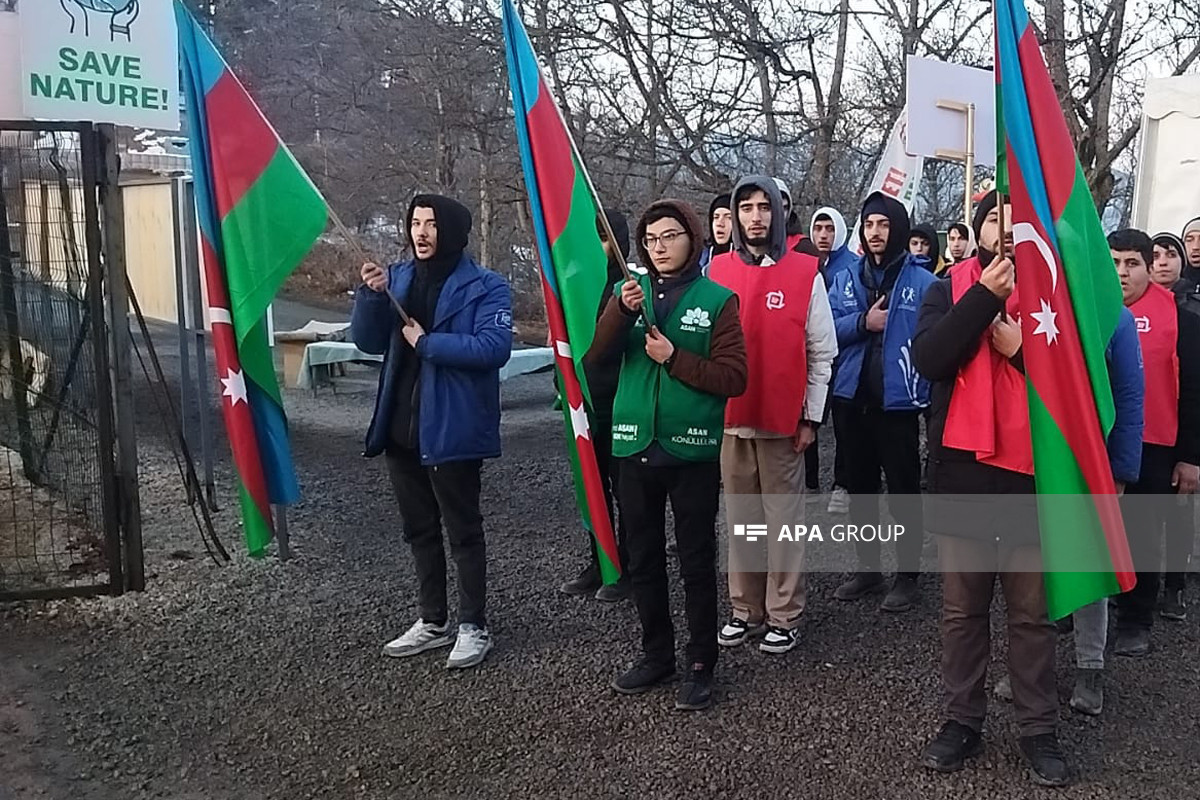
(461, 356)
(1125, 374)
(839, 260)
(904, 389)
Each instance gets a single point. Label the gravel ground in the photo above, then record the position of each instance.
(265, 680)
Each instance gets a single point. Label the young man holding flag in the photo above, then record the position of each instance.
(682, 355)
(1171, 440)
(969, 344)
(437, 413)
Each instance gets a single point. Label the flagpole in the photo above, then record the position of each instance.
(365, 256)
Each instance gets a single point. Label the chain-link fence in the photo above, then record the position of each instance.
(59, 533)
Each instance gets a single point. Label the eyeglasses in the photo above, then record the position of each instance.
(651, 242)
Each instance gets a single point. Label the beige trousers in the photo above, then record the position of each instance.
(764, 483)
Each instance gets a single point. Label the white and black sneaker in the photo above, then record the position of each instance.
(778, 640)
(737, 631)
(472, 646)
(420, 637)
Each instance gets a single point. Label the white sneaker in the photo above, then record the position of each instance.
(473, 644)
(420, 637)
(839, 501)
(778, 640)
(737, 631)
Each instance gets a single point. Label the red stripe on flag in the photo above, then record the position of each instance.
(588, 469)
(552, 160)
(241, 142)
(239, 422)
(1049, 125)
(1059, 373)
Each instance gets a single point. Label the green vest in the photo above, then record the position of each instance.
(651, 405)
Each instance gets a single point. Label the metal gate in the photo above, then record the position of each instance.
(60, 526)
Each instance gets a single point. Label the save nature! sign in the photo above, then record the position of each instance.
(100, 60)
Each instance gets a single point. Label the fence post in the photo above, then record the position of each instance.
(122, 348)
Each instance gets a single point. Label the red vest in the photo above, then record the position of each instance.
(773, 304)
(989, 409)
(1158, 331)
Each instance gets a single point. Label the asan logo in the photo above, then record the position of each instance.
(849, 290)
(775, 299)
(908, 294)
(1143, 324)
(696, 317)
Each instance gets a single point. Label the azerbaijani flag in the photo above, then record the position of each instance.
(259, 216)
(1070, 300)
(574, 265)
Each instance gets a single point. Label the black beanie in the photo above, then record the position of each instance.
(620, 229)
(981, 211)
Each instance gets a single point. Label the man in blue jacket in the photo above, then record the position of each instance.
(437, 413)
(878, 394)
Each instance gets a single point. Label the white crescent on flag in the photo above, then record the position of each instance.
(1025, 232)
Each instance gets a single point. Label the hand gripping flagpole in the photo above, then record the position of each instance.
(352, 240)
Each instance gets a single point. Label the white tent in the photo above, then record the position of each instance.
(1168, 182)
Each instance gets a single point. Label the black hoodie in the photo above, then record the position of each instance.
(879, 277)
(720, 201)
(429, 276)
(928, 233)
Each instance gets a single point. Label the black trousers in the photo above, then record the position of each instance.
(427, 496)
(1181, 539)
(872, 442)
(1146, 507)
(693, 490)
(601, 427)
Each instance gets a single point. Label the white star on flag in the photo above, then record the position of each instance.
(235, 387)
(1045, 322)
(579, 422)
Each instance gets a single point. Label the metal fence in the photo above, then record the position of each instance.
(59, 522)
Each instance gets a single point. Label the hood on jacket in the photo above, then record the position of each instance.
(776, 233)
(720, 201)
(453, 224)
(929, 234)
(839, 226)
(793, 219)
(681, 212)
(620, 229)
(893, 209)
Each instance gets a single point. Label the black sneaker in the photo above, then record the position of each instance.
(614, 592)
(586, 582)
(1173, 607)
(1134, 642)
(859, 586)
(1047, 763)
(643, 677)
(695, 693)
(953, 745)
(1088, 697)
(903, 595)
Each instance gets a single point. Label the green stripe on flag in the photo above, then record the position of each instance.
(581, 272)
(1095, 288)
(256, 528)
(266, 236)
(1075, 554)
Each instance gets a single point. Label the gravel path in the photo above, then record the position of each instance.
(264, 680)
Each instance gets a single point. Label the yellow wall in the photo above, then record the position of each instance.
(150, 248)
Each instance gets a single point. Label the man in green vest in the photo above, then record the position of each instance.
(682, 354)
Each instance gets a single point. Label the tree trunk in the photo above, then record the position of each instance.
(823, 153)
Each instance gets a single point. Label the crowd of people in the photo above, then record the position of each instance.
(715, 361)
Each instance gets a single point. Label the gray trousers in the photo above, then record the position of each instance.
(1091, 634)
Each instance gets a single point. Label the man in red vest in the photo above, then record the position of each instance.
(790, 347)
(1171, 438)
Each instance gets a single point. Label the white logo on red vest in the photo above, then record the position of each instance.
(775, 299)
(1143, 324)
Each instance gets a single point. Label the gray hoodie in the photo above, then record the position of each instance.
(776, 234)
